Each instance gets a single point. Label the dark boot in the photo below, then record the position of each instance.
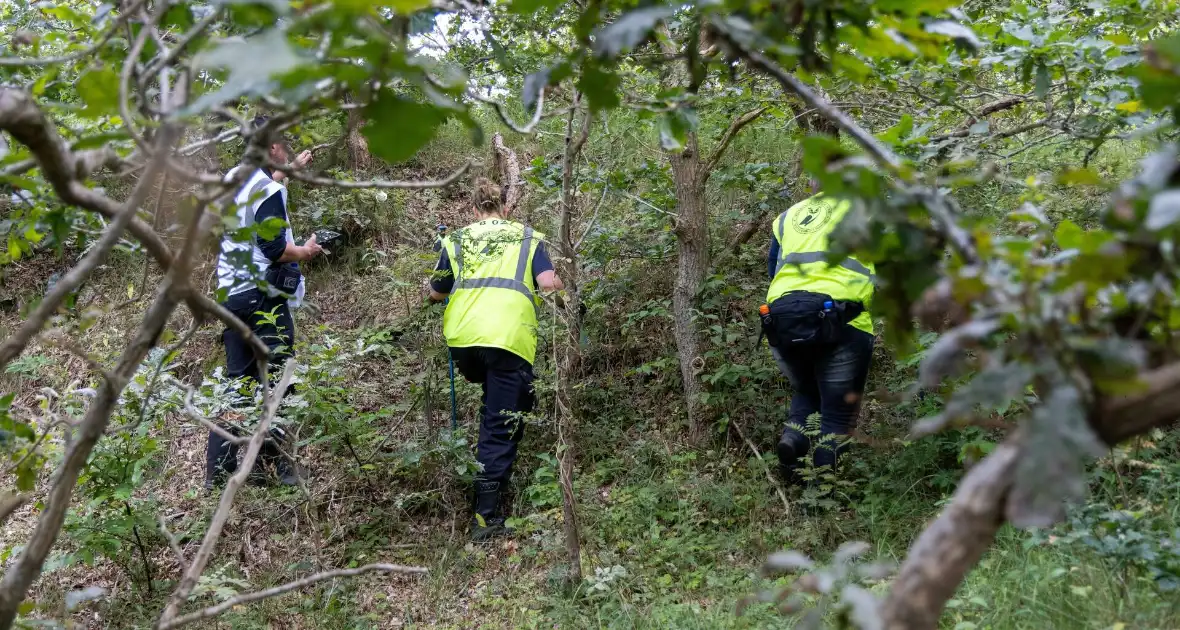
(221, 461)
(269, 470)
(488, 521)
(272, 465)
(790, 449)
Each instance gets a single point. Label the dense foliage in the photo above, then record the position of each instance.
(1016, 179)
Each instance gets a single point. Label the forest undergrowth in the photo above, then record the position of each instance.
(673, 535)
(1014, 185)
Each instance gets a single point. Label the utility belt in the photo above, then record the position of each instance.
(803, 318)
(284, 277)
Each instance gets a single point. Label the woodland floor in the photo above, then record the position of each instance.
(689, 528)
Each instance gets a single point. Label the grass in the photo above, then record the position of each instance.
(689, 528)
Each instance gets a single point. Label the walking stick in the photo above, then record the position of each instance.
(442, 230)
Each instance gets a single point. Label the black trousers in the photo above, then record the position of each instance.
(507, 382)
(254, 308)
(828, 379)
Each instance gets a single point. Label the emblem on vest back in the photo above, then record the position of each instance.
(811, 218)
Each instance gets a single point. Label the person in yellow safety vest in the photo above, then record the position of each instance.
(492, 271)
(817, 321)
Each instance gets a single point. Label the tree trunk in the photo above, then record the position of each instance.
(359, 158)
(692, 242)
(507, 172)
(568, 352)
(356, 145)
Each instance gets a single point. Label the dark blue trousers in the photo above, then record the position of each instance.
(507, 381)
(221, 455)
(828, 379)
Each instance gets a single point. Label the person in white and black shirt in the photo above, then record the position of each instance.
(240, 265)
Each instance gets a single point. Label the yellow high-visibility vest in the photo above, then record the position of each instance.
(493, 303)
(802, 233)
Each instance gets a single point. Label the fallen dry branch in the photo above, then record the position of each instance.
(508, 170)
(10, 503)
(239, 600)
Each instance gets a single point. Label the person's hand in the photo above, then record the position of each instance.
(278, 176)
(311, 248)
(303, 159)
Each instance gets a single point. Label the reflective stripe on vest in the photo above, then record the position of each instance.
(493, 303)
(804, 261)
(802, 258)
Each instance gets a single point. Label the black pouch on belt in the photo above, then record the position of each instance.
(801, 318)
(284, 277)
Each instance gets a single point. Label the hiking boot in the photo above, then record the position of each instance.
(268, 473)
(788, 463)
(216, 479)
(488, 522)
(486, 530)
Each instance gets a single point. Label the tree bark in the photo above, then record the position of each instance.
(356, 145)
(570, 360)
(508, 172)
(951, 546)
(692, 247)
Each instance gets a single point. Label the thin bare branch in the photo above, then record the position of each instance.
(10, 503)
(734, 129)
(593, 219)
(789, 82)
(246, 598)
(125, 82)
(300, 175)
(193, 574)
(66, 171)
(499, 109)
(769, 474)
(18, 62)
(20, 338)
(172, 542)
(192, 412)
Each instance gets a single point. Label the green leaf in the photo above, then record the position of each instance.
(1023, 32)
(629, 30)
(1164, 210)
(398, 127)
(894, 134)
(600, 86)
(179, 17)
(533, 84)
(279, 6)
(99, 90)
(528, 7)
(1079, 177)
(959, 33)
(270, 228)
(498, 51)
(1121, 62)
(404, 7)
(675, 127)
(26, 477)
(1050, 474)
(1041, 88)
(251, 63)
(1068, 235)
(944, 357)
